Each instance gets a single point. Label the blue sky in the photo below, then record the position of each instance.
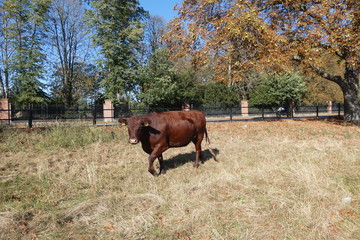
(162, 8)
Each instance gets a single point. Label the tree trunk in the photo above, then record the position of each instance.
(350, 88)
(349, 84)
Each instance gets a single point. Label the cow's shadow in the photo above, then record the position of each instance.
(182, 159)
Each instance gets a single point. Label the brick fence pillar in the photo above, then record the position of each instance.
(5, 111)
(329, 106)
(244, 108)
(108, 109)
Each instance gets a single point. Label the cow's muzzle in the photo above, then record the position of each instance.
(133, 141)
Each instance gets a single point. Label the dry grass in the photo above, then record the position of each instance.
(272, 180)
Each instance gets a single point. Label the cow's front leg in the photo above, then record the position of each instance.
(156, 153)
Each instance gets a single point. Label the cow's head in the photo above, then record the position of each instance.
(135, 126)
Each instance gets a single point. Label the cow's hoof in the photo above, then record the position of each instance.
(152, 171)
(196, 165)
(163, 171)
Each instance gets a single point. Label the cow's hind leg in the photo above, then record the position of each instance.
(197, 143)
(162, 165)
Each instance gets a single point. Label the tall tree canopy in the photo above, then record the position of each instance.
(22, 54)
(119, 28)
(235, 36)
(154, 30)
(163, 86)
(67, 38)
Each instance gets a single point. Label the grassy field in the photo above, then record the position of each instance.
(270, 180)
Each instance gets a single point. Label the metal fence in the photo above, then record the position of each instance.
(234, 113)
(48, 115)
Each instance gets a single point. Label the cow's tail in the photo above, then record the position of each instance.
(207, 137)
(210, 149)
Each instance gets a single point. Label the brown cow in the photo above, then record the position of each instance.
(158, 132)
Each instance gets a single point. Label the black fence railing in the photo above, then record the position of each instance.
(47, 115)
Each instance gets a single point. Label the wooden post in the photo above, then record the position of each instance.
(108, 109)
(244, 108)
(5, 111)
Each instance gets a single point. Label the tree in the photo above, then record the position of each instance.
(154, 30)
(220, 93)
(164, 86)
(85, 87)
(279, 89)
(159, 87)
(6, 53)
(23, 33)
(223, 34)
(89, 83)
(236, 36)
(119, 31)
(67, 38)
(322, 91)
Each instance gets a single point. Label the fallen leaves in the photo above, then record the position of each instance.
(109, 227)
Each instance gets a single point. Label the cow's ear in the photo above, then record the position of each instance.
(146, 122)
(122, 121)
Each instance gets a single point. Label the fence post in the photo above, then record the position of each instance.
(30, 109)
(339, 109)
(231, 113)
(244, 108)
(94, 114)
(5, 110)
(317, 111)
(108, 109)
(262, 112)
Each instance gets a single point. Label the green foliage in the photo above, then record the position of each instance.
(220, 93)
(24, 31)
(189, 89)
(163, 86)
(279, 89)
(119, 31)
(161, 92)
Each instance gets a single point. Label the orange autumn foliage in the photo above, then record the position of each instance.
(238, 36)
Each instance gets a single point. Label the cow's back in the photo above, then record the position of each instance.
(176, 128)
